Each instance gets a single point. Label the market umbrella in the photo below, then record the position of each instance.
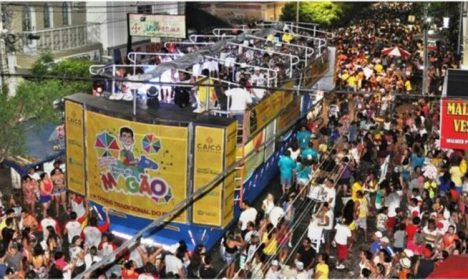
(454, 267)
(397, 52)
(106, 145)
(151, 144)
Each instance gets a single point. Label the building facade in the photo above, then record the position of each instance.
(60, 28)
(111, 17)
(241, 12)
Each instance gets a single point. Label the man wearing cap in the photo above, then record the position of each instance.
(384, 242)
(375, 245)
(405, 268)
(301, 273)
(274, 271)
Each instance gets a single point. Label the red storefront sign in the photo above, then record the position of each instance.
(454, 124)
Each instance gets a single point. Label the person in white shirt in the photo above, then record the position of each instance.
(77, 254)
(326, 222)
(240, 98)
(174, 264)
(251, 231)
(248, 215)
(275, 215)
(72, 227)
(330, 192)
(49, 221)
(268, 203)
(258, 80)
(92, 234)
(301, 273)
(166, 93)
(274, 272)
(137, 255)
(79, 206)
(342, 236)
(91, 257)
(33, 174)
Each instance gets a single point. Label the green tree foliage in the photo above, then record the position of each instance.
(35, 98)
(325, 13)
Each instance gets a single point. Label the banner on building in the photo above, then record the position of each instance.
(208, 164)
(454, 124)
(136, 168)
(231, 144)
(289, 116)
(147, 25)
(75, 150)
(265, 111)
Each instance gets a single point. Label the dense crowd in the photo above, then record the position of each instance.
(396, 209)
(364, 65)
(380, 198)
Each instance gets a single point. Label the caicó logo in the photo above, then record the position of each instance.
(72, 119)
(208, 146)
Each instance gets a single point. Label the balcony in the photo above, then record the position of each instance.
(60, 39)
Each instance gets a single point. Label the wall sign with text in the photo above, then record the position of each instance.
(454, 124)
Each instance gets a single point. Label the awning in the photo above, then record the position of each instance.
(40, 146)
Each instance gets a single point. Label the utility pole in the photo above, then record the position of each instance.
(460, 28)
(426, 24)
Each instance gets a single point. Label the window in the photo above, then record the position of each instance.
(27, 19)
(66, 13)
(145, 9)
(48, 16)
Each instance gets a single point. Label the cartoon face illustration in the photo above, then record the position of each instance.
(126, 138)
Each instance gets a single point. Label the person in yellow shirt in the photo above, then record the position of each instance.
(206, 93)
(408, 86)
(362, 209)
(287, 37)
(270, 38)
(456, 176)
(321, 269)
(344, 76)
(378, 68)
(463, 166)
(357, 186)
(269, 240)
(352, 82)
(9, 213)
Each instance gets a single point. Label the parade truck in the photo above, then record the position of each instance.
(157, 163)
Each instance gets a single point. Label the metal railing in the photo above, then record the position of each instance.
(293, 59)
(59, 39)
